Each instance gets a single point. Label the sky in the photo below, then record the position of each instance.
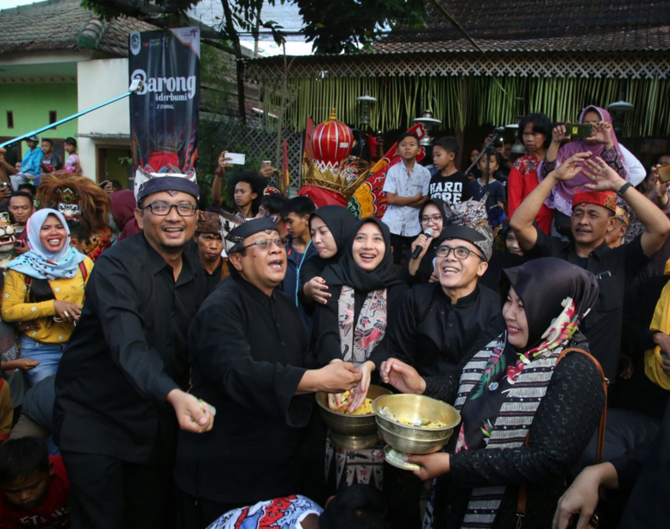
(207, 10)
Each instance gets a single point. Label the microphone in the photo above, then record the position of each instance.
(417, 251)
(499, 130)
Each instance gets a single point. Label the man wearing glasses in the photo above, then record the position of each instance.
(249, 354)
(440, 322)
(120, 388)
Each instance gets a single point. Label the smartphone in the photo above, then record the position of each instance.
(664, 173)
(236, 158)
(266, 163)
(579, 130)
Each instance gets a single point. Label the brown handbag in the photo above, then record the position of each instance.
(521, 506)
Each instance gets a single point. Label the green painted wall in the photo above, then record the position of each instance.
(31, 103)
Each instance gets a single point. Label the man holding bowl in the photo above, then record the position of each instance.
(249, 351)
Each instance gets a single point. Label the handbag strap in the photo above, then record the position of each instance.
(522, 502)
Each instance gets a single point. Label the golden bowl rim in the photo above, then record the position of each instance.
(419, 428)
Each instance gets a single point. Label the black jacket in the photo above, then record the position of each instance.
(127, 353)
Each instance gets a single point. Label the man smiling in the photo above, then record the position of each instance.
(120, 392)
(249, 355)
(593, 212)
(440, 322)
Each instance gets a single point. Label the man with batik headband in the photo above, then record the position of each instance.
(210, 245)
(79, 199)
(120, 387)
(593, 214)
(249, 359)
(617, 230)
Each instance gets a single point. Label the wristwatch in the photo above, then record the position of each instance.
(624, 188)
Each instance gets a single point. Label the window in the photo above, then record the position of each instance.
(10, 119)
(53, 116)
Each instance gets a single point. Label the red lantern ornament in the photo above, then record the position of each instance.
(332, 141)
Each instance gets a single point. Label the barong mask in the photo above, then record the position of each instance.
(68, 203)
(7, 234)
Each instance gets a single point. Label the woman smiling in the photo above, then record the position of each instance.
(351, 327)
(510, 390)
(46, 286)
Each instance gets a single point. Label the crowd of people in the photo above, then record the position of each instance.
(161, 355)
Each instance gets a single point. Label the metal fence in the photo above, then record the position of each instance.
(253, 140)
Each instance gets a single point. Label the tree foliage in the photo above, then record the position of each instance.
(332, 26)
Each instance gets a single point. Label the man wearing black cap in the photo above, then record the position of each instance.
(248, 352)
(440, 322)
(121, 380)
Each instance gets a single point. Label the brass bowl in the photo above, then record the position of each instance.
(415, 439)
(354, 432)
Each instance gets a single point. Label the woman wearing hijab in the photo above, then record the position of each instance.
(525, 419)
(351, 327)
(603, 143)
(419, 270)
(329, 227)
(46, 286)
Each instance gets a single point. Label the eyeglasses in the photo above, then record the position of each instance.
(163, 209)
(434, 218)
(460, 252)
(265, 243)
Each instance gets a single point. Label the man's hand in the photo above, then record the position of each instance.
(23, 248)
(193, 415)
(5, 193)
(337, 377)
(266, 171)
(317, 289)
(402, 376)
(660, 188)
(570, 167)
(604, 178)
(431, 465)
(224, 162)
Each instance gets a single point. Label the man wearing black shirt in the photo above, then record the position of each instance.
(210, 245)
(439, 322)
(593, 212)
(122, 378)
(249, 355)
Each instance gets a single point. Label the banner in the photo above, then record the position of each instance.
(164, 113)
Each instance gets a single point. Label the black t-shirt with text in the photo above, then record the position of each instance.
(453, 189)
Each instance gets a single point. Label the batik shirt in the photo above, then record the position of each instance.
(280, 513)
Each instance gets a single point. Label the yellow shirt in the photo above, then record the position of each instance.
(16, 306)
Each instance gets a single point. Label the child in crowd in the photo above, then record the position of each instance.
(448, 183)
(72, 164)
(34, 486)
(486, 183)
(407, 188)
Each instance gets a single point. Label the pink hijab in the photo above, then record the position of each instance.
(563, 191)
